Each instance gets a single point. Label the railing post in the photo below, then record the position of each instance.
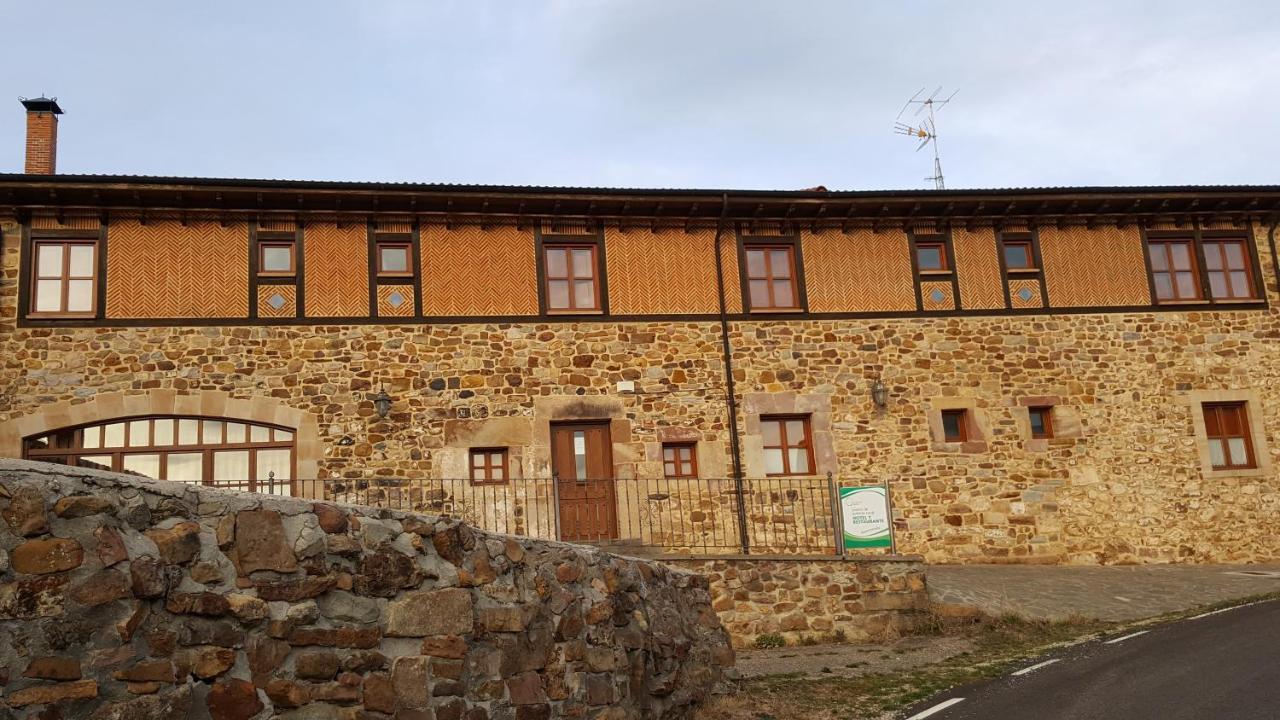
(555, 501)
(271, 483)
(743, 536)
(837, 519)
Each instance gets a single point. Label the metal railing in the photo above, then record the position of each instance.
(777, 515)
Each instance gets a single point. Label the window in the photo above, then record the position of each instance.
(1227, 264)
(394, 259)
(955, 425)
(788, 449)
(771, 278)
(1018, 255)
(1226, 426)
(1041, 422)
(276, 258)
(679, 460)
(489, 466)
(64, 278)
(1173, 270)
(931, 257)
(203, 450)
(571, 278)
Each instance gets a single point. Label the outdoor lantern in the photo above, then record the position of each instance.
(382, 403)
(879, 394)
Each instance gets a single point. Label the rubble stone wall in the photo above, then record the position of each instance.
(854, 599)
(123, 598)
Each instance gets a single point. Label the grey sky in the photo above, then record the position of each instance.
(651, 93)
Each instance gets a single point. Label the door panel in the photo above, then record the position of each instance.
(582, 463)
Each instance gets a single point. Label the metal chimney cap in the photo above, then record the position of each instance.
(41, 104)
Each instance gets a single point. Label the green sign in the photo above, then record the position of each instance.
(864, 512)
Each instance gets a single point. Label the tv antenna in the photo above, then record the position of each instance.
(926, 128)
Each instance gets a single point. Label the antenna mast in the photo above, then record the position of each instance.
(927, 129)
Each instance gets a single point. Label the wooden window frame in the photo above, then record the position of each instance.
(1219, 243)
(1198, 240)
(1241, 407)
(1029, 246)
(64, 278)
(407, 246)
(482, 474)
(567, 246)
(1164, 245)
(786, 445)
(1046, 414)
(962, 425)
(264, 245)
(692, 462)
(770, 278)
(947, 266)
(206, 449)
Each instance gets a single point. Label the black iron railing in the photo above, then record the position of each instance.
(791, 515)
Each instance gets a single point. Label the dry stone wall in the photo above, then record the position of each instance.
(123, 598)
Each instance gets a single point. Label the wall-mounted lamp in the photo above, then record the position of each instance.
(879, 394)
(382, 403)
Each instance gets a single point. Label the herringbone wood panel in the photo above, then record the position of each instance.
(470, 271)
(387, 301)
(669, 271)
(1015, 293)
(978, 268)
(859, 272)
(166, 270)
(337, 270)
(1094, 268)
(69, 222)
(942, 289)
(267, 295)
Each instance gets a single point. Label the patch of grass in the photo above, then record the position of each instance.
(770, 640)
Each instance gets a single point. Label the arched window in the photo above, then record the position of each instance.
(202, 450)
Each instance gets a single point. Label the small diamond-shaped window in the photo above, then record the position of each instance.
(937, 296)
(1025, 294)
(276, 301)
(396, 299)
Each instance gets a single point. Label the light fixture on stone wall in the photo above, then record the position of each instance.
(382, 402)
(879, 394)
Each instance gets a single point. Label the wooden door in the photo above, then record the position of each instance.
(582, 464)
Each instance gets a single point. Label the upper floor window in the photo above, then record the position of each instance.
(1041, 418)
(1018, 255)
(1173, 270)
(679, 460)
(276, 257)
(1226, 426)
(931, 257)
(489, 466)
(955, 425)
(572, 277)
(771, 278)
(394, 259)
(65, 278)
(1227, 263)
(788, 445)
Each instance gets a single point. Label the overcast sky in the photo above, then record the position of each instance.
(651, 93)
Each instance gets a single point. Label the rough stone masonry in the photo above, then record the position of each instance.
(123, 598)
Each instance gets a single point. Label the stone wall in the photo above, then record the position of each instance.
(1124, 481)
(123, 598)
(854, 599)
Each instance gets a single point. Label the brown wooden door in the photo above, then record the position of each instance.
(582, 463)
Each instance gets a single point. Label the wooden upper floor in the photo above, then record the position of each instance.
(781, 255)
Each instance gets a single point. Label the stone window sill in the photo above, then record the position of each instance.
(1241, 473)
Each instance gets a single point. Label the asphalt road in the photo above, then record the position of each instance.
(1224, 666)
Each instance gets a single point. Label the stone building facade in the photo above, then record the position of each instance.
(985, 316)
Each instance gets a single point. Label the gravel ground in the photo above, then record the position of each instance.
(851, 660)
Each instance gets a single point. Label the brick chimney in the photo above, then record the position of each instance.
(42, 135)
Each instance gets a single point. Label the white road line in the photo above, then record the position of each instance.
(1221, 610)
(1122, 638)
(936, 709)
(1035, 667)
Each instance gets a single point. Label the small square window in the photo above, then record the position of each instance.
(65, 279)
(276, 258)
(788, 448)
(1018, 255)
(771, 278)
(489, 466)
(931, 257)
(955, 425)
(572, 282)
(1041, 422)
(679, 460)
(394, 260)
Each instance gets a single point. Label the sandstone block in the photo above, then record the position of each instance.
(177, 545)
(25, 514)
(100, 588)
(320, 665)
(47, 555)
(53, 668)
(47, 694)
(431, 612)
(76, 506)
(260, 543)
(233, 699)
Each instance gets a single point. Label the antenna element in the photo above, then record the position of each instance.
(926, 131)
